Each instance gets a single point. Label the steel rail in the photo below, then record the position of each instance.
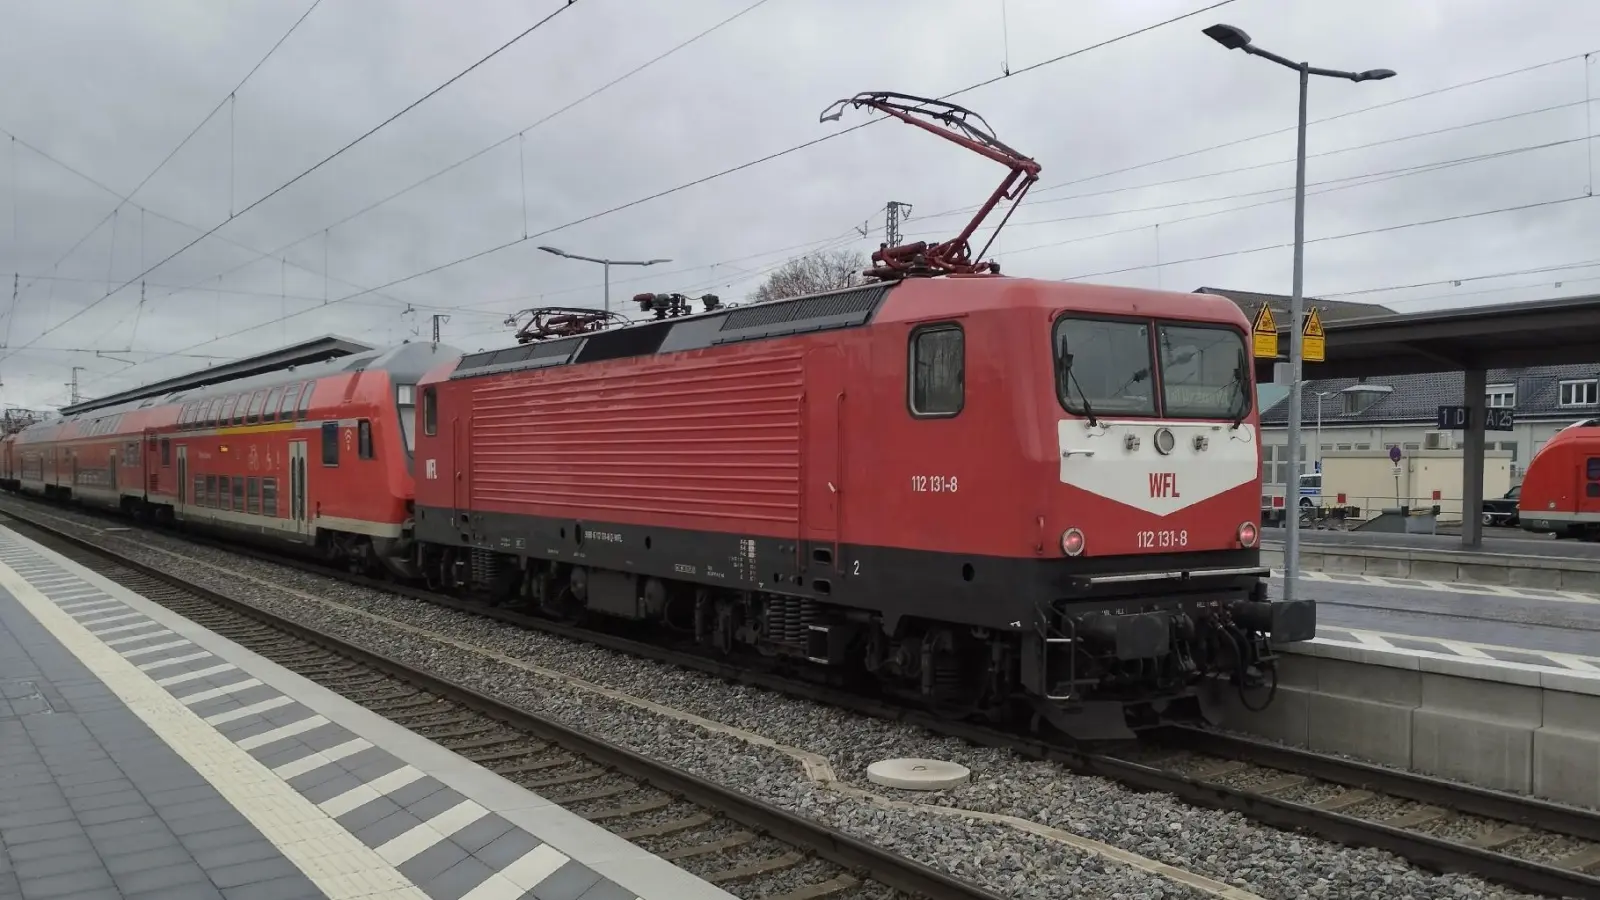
(1421, 849)
(881, 865)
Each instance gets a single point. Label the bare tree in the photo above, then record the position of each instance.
(822, 270)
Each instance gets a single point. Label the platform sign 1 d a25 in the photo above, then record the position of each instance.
(1457, 418)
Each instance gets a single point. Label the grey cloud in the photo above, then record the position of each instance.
(109, 87)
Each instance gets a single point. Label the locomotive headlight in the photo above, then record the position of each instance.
(1072, 542)
(1248, 534)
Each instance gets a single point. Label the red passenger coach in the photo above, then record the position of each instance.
(310, 445)
(1561, 490)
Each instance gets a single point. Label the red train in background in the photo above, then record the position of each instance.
(316, 454)
(1561, 489)
(987, 494)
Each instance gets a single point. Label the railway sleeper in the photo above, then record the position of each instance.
(759, 867)
(665, 828)
(736, 839)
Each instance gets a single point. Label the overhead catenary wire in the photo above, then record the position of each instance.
(517, 136)
(1374, 179)
(1434, 92)
(9, 315)
(1493, 120)
(1338, 237)
(227, 98)
(714, 176)
(566, 5)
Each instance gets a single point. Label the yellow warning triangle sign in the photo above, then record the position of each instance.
(1265, 324)
(1265, 330)
(1313, 326)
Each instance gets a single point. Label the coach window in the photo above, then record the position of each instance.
(286, 408)
(186, 415)
(241, 409)
(269, 497)
(305, 401)
(211, 490)
(330, 443)
(364, 439)
(238, 493)
(166, 452)
(430, 411)
(228, 404)
(937, 375)
(269, 413)
(255, 407)
(252, 496)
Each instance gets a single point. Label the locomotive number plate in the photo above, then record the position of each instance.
(1163, 539)
(933, 484)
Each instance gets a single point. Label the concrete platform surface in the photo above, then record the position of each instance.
(142, 756)
(1526, 625)
(1520, 727)
(1495, 540)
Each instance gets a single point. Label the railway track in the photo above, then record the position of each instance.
(1520, 842)
(733, 841)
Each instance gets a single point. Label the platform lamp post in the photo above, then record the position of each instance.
(1235, 39)
(607, 263)
(1319, 395)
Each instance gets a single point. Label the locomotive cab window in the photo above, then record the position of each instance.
(1103, 366)
(364, 439)
(937, 373)
(1205, 371)
(330, 443)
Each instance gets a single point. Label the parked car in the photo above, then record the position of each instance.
(1502, 510)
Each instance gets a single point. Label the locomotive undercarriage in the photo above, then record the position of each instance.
(1094, 673)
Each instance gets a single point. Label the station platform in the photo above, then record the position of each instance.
(142, 756)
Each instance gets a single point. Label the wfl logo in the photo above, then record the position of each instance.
(433, 470)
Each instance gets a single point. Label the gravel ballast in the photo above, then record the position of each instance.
(1221, 846)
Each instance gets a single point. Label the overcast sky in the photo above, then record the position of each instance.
(110, 87)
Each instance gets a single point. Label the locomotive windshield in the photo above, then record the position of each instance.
(1104, 366)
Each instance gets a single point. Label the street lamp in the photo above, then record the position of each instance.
(1320, 395)
(1235, 39)
(607, 263)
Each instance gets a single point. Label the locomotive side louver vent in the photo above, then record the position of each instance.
(522, 356)
(840, 309)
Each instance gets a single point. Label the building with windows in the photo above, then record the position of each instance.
(1373, 414)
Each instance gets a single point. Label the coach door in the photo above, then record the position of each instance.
(297, 486)
(823, 474)
(183, 475)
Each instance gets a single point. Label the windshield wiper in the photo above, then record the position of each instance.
(1239, 381)
(1066, 372)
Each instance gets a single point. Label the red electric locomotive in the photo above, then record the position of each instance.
(1561, 490)
(978, 490)
(317, 454)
